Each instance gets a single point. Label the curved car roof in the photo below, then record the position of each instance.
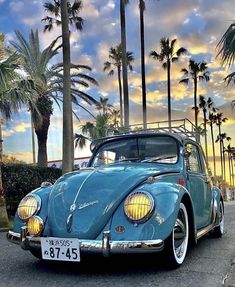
(179, 137)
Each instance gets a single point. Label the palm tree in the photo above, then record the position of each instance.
(104, 106)
(92, 131)
(197, 71)
(48, 81)
(219, 120)
(3, 49)
(142, 45)
(12, 97)
(115, 119)
(115, 62)
(206, 105)
(230, 151)
(64, 14)
(53, 8)
(211, 121)
(226, 46)
(226, 53)
(221, 138)
(123, 3)
(167, 56)
(232, 157)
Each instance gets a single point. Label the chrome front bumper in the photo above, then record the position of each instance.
(104, 246)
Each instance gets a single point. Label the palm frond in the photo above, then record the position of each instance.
(184, 81)
(226, 46)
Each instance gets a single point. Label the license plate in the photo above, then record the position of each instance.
(62, 249)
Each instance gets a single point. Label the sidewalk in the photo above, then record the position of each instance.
(229, 280)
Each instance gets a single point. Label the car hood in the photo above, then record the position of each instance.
(92, 196)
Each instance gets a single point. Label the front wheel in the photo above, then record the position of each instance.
(176, 244)
(219, 230)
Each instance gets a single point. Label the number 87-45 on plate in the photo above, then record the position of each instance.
(62, 249)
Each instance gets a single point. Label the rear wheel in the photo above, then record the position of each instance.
(176, 244)
(219, 230)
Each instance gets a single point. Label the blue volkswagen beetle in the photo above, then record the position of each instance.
(143, 192)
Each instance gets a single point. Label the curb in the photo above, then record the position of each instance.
(229, 280)
(4, 229)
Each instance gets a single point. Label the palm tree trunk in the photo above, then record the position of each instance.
(221, 153)
(42, 132)
(195, 102)
(142, 42)
(224, 167)
(68, 146)
(124, 64)
(120, 95)
(33, 139)
(230, 168)
(4, 222)
(213, 147)
(169, 92)
(206, 146)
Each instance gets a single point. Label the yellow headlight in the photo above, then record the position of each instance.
(138, 206)
(28, 206)
(35, 225)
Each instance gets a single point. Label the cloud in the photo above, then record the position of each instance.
(23, 156)
(21, 128)
(16, 6)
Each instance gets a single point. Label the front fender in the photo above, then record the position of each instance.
(167, 198)
(43, 193)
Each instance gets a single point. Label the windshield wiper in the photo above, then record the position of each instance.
(128, 159)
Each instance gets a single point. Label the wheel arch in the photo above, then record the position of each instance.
(192, 230)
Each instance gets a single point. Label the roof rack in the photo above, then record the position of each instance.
(180, 126)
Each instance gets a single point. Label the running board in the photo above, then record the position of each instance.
(204, 231)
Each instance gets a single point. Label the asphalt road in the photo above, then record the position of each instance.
(206, 265)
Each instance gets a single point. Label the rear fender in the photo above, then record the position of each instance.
(217, 197)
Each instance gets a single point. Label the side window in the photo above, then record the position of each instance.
(204, 166)
(193, 160)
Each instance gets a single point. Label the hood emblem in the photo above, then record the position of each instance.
(86, 204)
(73, 207)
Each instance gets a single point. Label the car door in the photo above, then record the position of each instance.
(199, 185)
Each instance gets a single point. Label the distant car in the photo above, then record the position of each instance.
(143, 192)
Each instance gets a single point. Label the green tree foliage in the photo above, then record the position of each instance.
(48, 84)
(20, 179)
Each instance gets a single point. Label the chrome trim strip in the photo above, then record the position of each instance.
(205, 230)
(105, 246)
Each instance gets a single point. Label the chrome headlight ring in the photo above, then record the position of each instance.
(138, 206)
(29, 206)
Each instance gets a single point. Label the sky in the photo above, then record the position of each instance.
(198, 25)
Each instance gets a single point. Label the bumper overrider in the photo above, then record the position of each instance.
(104, 246)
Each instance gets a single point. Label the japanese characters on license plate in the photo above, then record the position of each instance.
(63, 249)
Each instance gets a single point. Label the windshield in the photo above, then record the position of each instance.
(159, 149)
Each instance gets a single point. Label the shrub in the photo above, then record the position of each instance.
(20, 179)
